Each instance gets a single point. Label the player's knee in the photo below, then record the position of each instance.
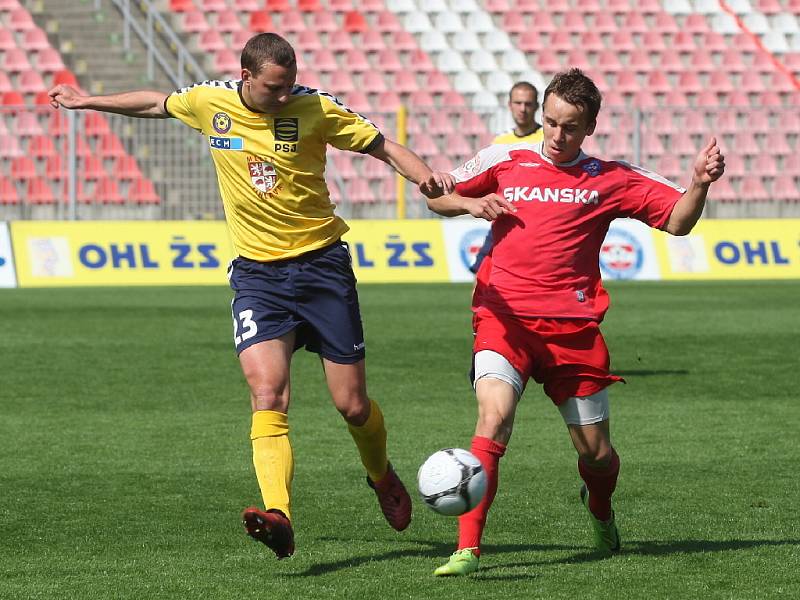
(599, 457)
(354, 410)
(265, 397)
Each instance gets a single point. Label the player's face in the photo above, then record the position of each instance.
(270, 89)
(565, 128)
(523, 105)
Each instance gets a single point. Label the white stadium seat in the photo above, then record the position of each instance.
(757, 23)
(450, 61)
(678, 7)
(497, 41)
(707, 7)
(785, 23)
(775, 41)
(402, 6)
(482, 61)
(448, 22)
(725, 24)
(416, 22)
(433, 41)
(467, 82)
(466, 41)
(499, 82)
(740, 7)
(480, 22)
(514, 61)
(484, 99)
(434, 7)
(464, 6)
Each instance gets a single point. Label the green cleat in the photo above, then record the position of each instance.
(606, 534)
(462, 562)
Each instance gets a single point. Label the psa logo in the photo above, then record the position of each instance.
(621, 255)
(2, 261)
(287, 134)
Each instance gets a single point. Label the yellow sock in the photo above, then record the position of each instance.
(370, 439)
(272, 458)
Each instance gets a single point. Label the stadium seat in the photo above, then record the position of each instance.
(41, 147)
(260, 21)
(358, 191)
(437, 82)
(228, 22)
(30, 82)
(452, 99)
(211, 41)
(734, 165)
(784, 188)
(27, 125)
(324, 21)
(421, 99)
(126, 168)
(467, 82)
(479, 22)
(16, 60)
(358, 101)
(212, 5)
(8, 192)
(723, 191)
(356, 61)
(373, 82)
(387, 22)
(420, 62)
(106, 191)
(23, 168)
(417, 22)
(389, 62)
(764, 165)
(19, 19)
(404, 82)
(424, 146)
(225, 62)
(38, 191)
(775, 144)
(293, 22)
(752, 188)
(341, 83)
(604, 23)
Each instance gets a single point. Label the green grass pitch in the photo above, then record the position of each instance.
(125, 459)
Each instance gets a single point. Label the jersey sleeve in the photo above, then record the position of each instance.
(477, 177)
(649, 197)
(346, 129)
(183, 104)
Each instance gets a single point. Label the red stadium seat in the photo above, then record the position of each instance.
(437, 83)
(225, 62)
(293, 22)
(8, 191)
(354, 22)
(388, 61)
(689, 82)
(695, 23)
(107, 191)
(358, 191)
(66, 77)
(639, 61)
(752, 188)
(574, 21)
(776, 144)
(9, 147)
(722, 191)
(211, 41)
(604, 23)
(591, 41)
(20, 20)
(110, 146)
(453, 99)
(92, 168)
(23, 168)
(41, 146)
(341, 83)
(764, 165)
(324, 21)
(676, 98)
(143, 192)
(669, 166)
(324, 60)
(181, 5)
(39, 192)
(671, 62)
(27, 125)
(260, 21)
(421, 99)
(213, 5)
(356, 61)
(16, 61)
(55, 168)
(7, 39)
(359, 102)
(386, 22)
(512, 23)
(228, 22)
(278, 6)
(665, 23)
(35, 39)
(658, 83)
(389, 100)
(30, 82)
(405, 82)
(424, 146)
(309, 6)
(785, 188)
(194, 21)
(713, 42)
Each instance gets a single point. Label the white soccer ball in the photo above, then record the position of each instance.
(452, 481)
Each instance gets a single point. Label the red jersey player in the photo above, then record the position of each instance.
(540, 300)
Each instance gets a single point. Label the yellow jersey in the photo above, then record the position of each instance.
(271, 167)
(509, 137)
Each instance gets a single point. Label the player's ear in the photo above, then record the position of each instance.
(246, 76)
(590, 128)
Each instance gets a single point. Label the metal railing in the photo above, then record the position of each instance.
(73, 152)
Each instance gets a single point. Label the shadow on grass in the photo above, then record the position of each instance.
(440, 550)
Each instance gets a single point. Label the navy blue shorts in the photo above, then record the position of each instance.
(313, 294)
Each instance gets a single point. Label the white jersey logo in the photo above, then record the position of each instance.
(262, 174)
(564, 195)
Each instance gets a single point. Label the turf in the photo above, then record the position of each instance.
(125, 461)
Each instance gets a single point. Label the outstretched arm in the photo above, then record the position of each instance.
(142, 103)
(708, 167)
(413, 168)
(488, 207)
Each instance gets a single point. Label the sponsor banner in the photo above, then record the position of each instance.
(397, 251)
(628, 251)
(8, 278)
(463, 238)
(733, 249)
(57, 253)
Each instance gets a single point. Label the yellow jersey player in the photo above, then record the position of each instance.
(293, 281)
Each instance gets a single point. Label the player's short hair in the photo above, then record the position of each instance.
(267, 48)
(524, 85)
(574, 87)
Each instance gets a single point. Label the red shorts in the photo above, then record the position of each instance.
(568, 356)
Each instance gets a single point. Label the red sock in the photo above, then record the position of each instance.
(471, 524)
(601, 483)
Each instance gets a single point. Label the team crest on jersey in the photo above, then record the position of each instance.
(262, 174)
(592, 167)
(221, 122)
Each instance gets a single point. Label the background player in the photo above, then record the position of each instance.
(523, 102)
(293, 281)
(539, 313)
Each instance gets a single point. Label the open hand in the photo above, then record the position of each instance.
(490, 207)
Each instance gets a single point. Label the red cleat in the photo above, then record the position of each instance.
(393, 498)
(271, 528)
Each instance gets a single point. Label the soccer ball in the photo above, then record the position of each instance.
(451, 481)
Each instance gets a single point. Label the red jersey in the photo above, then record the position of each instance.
(545, 260)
